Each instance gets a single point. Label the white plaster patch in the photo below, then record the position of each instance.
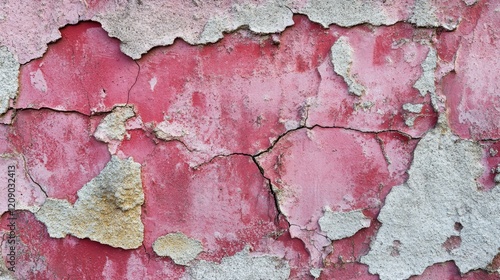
(339, 225)
(9, 84)
(438, 215)
(342, 57)
(108, 209)
(243, 265)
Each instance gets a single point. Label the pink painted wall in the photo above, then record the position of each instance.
(250, 139)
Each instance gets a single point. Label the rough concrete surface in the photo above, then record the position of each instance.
(237, 139)
(243, 265)
(342, 58)
(338, 225)
(439, 202)
(180, 248)
(112, 127)
(108, 209)
(9, 72)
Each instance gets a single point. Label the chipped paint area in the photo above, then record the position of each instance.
(438, 214)
(342, 58)
(339, 225)
(9, 72)
(269, 139)
(108, 209)
(180, 248)
(242, 265)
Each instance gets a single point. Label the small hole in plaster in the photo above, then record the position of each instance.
(395, 248)
(458, 226)
(453, 242)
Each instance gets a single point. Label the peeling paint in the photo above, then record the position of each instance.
(346, 12)
(180, 248)
(439, 203)
(243, 265)
(9, 72)
(413, 108)
(112, 127)
(338, 225)
(143, 25)
(108, 209)
(426, 83)
(342, 57)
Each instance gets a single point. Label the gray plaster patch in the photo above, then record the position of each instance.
(243, 265)
(143, 25)
(410, 120)
(180, 248)
(413, 108)
(9, 84)
(497, 170)
(470, 2)
(112, 127)
(345, 12)
(425, 14)
(339, 225)
(168, 131)
(439, 204)
(315, 272)
(426, 84)
(342, 57)
(108, 209)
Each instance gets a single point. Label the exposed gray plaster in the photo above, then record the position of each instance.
(339, 225)
(180, 248)
(413, 108)
(315, 272)
(108, 209)
(112, 127)
(345, 12)
(168, 131)
(426, 83)
(243, 265)
(142, 26)
(9, 84)
(440, 203)
(425, 15)
(342, 57)
(270, 17)
(470, 2)
(497, 171)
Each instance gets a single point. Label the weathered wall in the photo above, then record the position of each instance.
(269, 139)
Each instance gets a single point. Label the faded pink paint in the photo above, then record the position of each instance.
(276, 98)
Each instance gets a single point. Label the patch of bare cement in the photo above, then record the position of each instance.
(426, 83)
(438, 215)
(345, 12)
(180, 248)
(9, 84)
(243, 265)
(112, 127)
(342, 57)
(142, 25)
(108, 209)
(339, 225)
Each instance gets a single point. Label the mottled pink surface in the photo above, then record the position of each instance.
(264, 135)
